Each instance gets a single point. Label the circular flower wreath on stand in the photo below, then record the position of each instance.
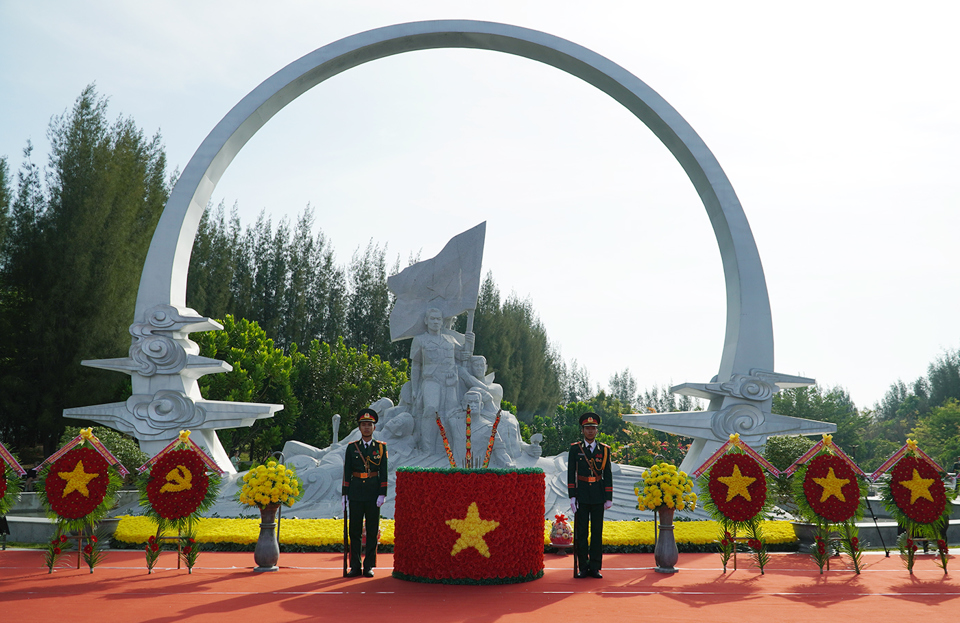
(736, 496)
(917, 491)
(9, 487)
(738, 487)
(827, 492)
(831, 489)
(917, 499)
(78, 489)
(177, 489)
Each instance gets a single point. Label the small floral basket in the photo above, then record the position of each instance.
(561, 532)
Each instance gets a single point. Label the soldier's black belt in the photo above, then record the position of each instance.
(588, 479)
(365, 474)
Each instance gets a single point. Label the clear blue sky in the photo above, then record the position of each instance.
(836, 123)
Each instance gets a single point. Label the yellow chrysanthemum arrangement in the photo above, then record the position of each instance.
(664, 485)
(270, 484)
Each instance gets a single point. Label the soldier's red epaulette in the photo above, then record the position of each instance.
(575, 443)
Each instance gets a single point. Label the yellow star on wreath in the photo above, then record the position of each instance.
(471, 530)
(737, 484)
(77, 480)
(919, 487)
(832, 486)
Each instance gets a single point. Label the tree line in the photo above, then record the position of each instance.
(926, 410)
(300, 328)
(73, 237)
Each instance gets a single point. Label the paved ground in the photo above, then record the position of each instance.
(310, 586)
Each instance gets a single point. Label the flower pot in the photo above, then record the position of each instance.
(267, 551)
(665, 552)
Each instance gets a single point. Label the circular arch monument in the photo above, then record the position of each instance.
(164, 364)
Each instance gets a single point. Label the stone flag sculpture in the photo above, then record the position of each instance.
(449, 282)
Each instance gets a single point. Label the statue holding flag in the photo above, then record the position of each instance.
(429, 293)
(434, 357)
(446, 380)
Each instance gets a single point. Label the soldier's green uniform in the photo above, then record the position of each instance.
(364, 482)
(590, 481)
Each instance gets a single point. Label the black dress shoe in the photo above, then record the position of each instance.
(354, 573)
(368, 573)
(579, 575)
(595, 574)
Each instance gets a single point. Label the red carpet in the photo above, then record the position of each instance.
(309, 587)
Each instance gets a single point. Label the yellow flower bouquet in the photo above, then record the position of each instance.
(270, 484)
(664, 485)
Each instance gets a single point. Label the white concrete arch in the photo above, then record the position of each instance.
(164, 364)
(748, 343)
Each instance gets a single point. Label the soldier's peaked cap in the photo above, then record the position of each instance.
(367, 415)
(589, 419)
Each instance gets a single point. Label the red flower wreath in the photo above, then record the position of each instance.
(819, 484)
(184, 476)
(738, 508)
(65, 494)
(914, 502)
(3, 478)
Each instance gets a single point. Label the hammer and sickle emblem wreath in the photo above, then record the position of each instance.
(177, 484)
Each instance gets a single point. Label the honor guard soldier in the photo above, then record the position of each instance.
(365, 490)
(590, 486)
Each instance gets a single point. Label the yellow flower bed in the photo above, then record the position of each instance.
(321, 532)
(695, 532)
(316, 532)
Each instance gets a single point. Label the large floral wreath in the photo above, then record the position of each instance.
(831, 488)
(738, 487)
(917, 490)
(736, 496)
(917, 498)
(827, 488)
(177, 486)
(9, 484)
(80, 487)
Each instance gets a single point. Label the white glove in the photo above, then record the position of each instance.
(380, 500)
(607, 505)
(343, 503)
(573, 505)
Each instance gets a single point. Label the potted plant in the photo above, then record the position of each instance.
(267, 487)
(665, 489)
